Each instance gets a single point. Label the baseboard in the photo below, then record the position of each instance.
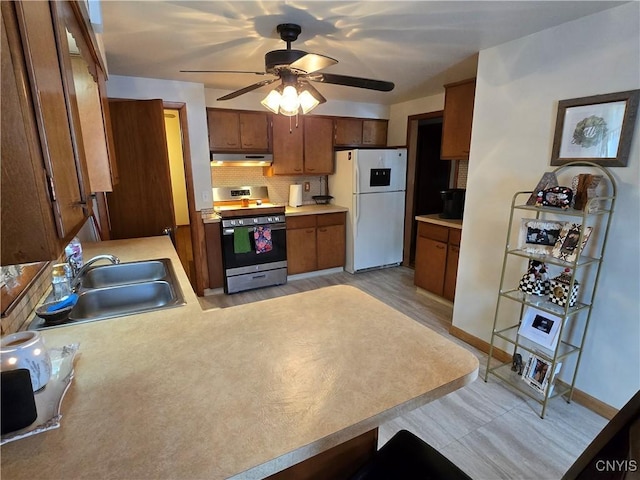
(315, 273)
(584, 399)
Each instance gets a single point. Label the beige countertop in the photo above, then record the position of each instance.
(435, 218)
(212, 217)
(238, 392)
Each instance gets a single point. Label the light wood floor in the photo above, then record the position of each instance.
(487, 429)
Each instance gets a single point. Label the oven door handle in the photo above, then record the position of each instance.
(229, 231)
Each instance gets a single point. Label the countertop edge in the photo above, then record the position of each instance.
(435, 219)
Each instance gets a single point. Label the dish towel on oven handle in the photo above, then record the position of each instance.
(241, 240)
(262, 236)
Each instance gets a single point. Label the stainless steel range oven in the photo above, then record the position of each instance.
(254, 250)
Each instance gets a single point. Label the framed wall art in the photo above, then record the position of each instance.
(597, 129)
(539, 236)
(566, 247)
(540, 327)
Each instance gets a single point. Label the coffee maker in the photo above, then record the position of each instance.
(453, 203)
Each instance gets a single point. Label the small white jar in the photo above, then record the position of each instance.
(26, 350)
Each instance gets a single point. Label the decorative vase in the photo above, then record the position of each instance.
(26, 350)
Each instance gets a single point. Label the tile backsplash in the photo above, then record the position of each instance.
(278, 185)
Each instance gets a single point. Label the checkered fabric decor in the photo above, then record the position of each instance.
(536, 287)
(560, 293)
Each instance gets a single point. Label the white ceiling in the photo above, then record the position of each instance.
(418, 45)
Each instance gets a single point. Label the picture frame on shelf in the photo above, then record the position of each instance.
(566, 247)
(538, 375)
(540, 327)
(539, 236)
(597, 129)
(548, 180)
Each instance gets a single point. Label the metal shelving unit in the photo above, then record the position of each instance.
(568, 346)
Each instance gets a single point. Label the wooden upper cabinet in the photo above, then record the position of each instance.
(374, 132)
(44, 196)
(458, 117)
(288, 145)
(318, 145)
(348, 131)
(234, 131)
(360, 132)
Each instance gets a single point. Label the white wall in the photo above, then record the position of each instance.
(397, 132)
(518, 87)
(192, 94)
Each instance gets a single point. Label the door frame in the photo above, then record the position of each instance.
(195, 218)
(410, 208)
(196, 226)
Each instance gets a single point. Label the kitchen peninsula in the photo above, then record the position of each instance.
(239, 392)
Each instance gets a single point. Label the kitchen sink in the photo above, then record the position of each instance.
(110, 291)
(125, 273)
(120, 300)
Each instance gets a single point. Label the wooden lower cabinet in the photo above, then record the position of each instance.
(315, 242)
(436, 262)
(301, 244)
(213, 240)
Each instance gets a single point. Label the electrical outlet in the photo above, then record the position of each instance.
(307, 186)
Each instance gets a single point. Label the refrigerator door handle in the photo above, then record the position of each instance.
(356, 216)
(356, 177)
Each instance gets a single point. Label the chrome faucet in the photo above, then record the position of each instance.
(78, 276)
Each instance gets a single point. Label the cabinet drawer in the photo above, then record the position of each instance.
(434, 232)
(302, 221)
(331, 219)
(454, 236)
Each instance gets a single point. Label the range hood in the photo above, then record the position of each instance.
(241, 159)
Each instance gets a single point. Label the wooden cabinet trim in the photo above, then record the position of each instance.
(326, 219)
(301, 221)
(454, 236)
(434, 232)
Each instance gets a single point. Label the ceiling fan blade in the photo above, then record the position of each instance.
(313, 91)
(244, 90)
(221, 71)
(312, 62)
(348, 81)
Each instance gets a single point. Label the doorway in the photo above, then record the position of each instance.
(427, 175)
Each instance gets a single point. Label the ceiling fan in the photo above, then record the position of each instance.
(296, 68)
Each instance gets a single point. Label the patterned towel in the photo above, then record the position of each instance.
(262, 236)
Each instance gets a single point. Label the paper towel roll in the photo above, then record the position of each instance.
(295, 195)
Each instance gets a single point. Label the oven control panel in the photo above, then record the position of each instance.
(247, 221)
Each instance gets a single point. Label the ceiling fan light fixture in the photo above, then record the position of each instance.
(289, 102)
(272, 101)
(307, 101)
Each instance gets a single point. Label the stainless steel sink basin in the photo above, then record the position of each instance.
(125, 273)
(109, 291)
(117, 301)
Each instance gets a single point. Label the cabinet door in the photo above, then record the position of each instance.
(28, 228)
(224, 130)
(301, 250)
(458, 116)
(374, 132)
(63, 158)
(254, 131)
(318, 145)
(431, 260)
(451, 273)
(288, 145)
(331, 246)
(213, 241)
(348, 131)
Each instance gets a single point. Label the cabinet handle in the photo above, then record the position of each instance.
(248, 144)
(322, 229)
(311, 169)
(309, 231)
(440, 247)
(297, 169)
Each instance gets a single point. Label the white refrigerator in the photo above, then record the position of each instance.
(371, 183)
